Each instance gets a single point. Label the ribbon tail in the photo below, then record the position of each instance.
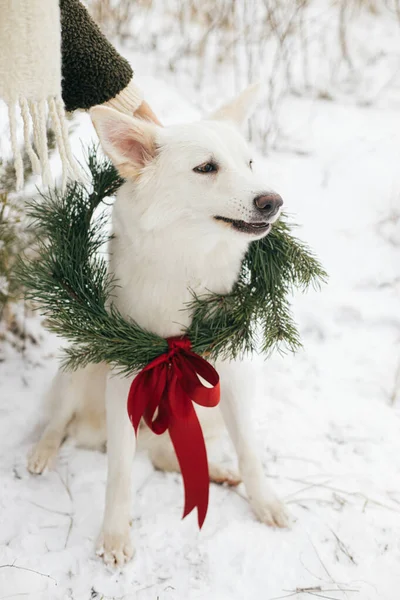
(187, 438)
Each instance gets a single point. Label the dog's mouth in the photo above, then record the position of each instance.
(253, 228)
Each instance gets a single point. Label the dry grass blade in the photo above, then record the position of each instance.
(316, 590)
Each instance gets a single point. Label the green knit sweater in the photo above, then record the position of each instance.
(93, 72)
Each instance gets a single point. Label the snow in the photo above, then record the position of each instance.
(327, 419)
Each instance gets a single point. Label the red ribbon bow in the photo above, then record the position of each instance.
(170, 383)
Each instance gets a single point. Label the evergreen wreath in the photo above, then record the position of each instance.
(70, 281)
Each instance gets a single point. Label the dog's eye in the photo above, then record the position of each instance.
(209, 167)
(251, 164)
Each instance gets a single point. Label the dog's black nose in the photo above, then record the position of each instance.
(268, 203)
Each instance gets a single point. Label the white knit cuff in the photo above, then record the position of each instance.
(128, 100)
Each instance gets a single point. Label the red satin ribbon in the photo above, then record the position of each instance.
(170, 383)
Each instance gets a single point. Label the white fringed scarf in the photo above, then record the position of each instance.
(30, 82)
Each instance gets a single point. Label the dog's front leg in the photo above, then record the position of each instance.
(235, 407)
(114, 543)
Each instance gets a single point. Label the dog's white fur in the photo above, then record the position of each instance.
(166, 243)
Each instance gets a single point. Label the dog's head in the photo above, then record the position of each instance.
(201, 173)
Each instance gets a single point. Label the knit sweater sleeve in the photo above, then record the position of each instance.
(92, 70)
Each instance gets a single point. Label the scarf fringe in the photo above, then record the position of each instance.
(18, 163)
(34, 116)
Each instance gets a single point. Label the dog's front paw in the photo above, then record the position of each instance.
(40, 458)
(116, 549)
(270, 511)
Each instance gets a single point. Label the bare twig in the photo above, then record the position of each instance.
(396, 385)
(342, 546)
(71, 524)
(359, 495)
(70, 514)
(52, 510)
(317, 591)
(343, 22)
(15, 595)
(13, 566)
(304, 489)
(340, 588)
(66, 485)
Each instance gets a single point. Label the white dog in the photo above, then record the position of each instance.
(183, 221)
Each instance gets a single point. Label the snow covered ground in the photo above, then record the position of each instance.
(328, 418)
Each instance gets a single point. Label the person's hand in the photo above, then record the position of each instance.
(144, 112)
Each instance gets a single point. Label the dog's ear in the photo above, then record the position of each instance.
(240, 108)
(129, 142)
